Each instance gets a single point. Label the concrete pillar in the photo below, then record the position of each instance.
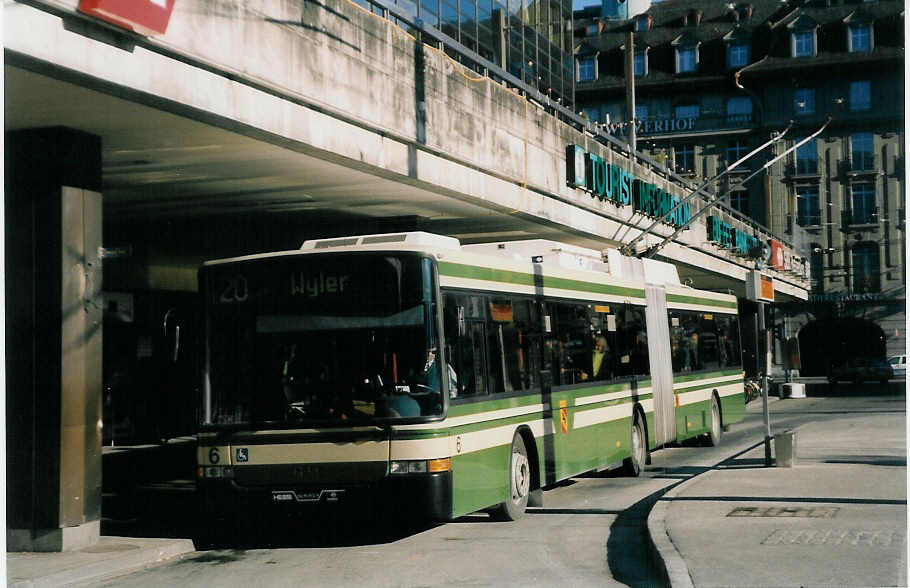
(53, 339)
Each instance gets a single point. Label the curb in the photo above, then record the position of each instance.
(120, 564)
(675, 568)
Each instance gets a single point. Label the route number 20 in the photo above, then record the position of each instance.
(234, 289)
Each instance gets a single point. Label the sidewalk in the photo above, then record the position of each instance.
(109, 558)
(837, 518)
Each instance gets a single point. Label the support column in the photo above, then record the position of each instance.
(53, 339)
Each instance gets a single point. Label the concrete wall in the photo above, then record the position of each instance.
(339, 82)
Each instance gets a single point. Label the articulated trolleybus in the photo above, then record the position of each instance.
(408, 373)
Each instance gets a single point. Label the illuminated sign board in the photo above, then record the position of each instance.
(725, 235)
(146, 17)
(606, 181)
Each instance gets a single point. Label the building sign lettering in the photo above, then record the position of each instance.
(606, 181)
(660, 125)
(725, 235)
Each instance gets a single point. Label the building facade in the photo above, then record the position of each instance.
(714, 80)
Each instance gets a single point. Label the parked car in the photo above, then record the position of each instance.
(861, 369)
(898, 365)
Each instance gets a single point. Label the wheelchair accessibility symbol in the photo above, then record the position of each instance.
(243, 454)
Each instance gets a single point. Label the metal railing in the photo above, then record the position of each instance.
(534, 95)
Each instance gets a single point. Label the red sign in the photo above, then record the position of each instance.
(146, 17)
(777, 254)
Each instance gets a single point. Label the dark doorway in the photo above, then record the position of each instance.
(825, 344)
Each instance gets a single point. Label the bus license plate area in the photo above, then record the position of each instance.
(310, 496)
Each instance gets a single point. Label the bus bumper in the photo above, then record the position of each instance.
(415, 496)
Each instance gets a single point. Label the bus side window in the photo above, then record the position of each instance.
(465, 350)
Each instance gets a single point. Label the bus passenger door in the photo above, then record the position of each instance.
(661, 365)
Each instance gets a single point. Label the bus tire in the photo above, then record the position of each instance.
(638, 446)
(717, 430)
(519, 483)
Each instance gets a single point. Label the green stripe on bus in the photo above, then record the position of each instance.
(446, 430)
(707, 375)
(570, 396)
(682, 299)
(473, 272)
(710, 385)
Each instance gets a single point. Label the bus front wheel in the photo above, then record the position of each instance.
(519, 483)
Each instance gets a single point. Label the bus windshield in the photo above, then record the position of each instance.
(322, 339)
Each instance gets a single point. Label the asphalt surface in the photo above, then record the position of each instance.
(592, 530)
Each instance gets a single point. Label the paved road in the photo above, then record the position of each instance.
(590, 532)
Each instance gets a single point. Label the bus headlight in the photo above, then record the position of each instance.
(420, 466)
(220, 472)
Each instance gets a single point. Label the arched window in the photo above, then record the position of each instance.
(866, 268)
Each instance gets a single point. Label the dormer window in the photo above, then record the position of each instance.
(643, 22)
(859, 38)
(692, 18)
(587, 69)
(686, 59)
(803, 43)
(738, 55)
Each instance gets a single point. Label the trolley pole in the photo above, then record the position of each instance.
(764, 382)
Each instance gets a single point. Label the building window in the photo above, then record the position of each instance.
(640, 64)
(739, 110)
(863, 202)
(586, 69)
(686, 111)
(860, 95)
(737, 55)
(807, 158)
(803, 43)
(804, 101)
(859, 38)
(686, 59)
(866, 269)
(739, 200)
(736, 150)
(862, 157)
(684, 155)
(807, 212)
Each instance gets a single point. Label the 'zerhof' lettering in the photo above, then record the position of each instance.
(605, 181)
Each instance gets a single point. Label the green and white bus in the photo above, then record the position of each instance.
(406, 371)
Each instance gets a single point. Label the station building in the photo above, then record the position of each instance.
(714, 80)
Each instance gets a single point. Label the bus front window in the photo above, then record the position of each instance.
(367, 351)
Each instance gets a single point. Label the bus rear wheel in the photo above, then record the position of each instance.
(633, 464)
(716, 427)
(519, 484)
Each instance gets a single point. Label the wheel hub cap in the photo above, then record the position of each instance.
(521, 476)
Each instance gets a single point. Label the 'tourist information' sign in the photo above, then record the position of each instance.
(606, 181)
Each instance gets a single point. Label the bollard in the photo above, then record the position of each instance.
(793, 390)
(785, 449)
